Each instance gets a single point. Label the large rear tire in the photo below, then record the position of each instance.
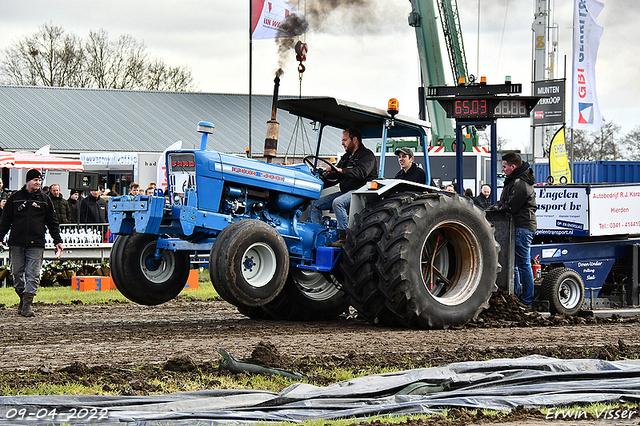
(145, 280)
(564, 289)
(437, 259)
(361, 256)
(253, 264)
(307, 296)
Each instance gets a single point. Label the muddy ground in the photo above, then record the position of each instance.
(124, 346)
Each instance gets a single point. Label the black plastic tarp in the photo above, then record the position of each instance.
(500, 384)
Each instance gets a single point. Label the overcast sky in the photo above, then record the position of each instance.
(363, 54)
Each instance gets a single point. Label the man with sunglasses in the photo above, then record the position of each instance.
(26, 213)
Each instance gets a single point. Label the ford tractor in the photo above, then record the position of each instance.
(414, 255)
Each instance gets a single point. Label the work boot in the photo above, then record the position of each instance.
(19, 293)
(342, 236)
(27, 300)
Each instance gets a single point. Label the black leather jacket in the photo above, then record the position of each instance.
(27, 214)
(357, 169)
(519, 198)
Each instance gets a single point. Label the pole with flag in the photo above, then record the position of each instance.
(585, 111)
(269, 19)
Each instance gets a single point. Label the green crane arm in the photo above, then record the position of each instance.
(423, 18)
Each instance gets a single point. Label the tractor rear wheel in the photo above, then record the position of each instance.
(361, 256)
(437, 259)
(253, 263)
(145, 279)
(308, 296)
(564, 289)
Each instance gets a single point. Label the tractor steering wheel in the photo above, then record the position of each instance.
(322, 173)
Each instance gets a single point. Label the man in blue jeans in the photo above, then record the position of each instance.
(26, 213)
(356, 167)
(519, 198)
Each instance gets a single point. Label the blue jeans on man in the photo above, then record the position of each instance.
(26, 263)
(523, 281)
(338, 201)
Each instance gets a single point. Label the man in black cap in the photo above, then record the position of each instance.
(409, 170)
(26, 213)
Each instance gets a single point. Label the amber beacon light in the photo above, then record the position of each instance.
(392, 107)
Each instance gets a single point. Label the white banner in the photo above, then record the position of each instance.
(161, 170)
(585, 112)
(268, 16)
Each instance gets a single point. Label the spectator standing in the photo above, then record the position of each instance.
(93, 209)
(408, 169)
(60, 204)
(134, 189)
(26, 214)
(3, 193)
(519, 198)
(74, 205)
(468, 193)
(483, 200)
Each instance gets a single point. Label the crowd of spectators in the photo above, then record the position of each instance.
(81, 207)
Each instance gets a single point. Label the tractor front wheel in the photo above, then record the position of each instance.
(144, 279)
(252, 264)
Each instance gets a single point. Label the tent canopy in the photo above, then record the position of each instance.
(23, 160)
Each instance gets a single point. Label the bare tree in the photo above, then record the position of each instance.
(600, 145)
(160, 76)
(115, 65)
(631, 144)
(50, 57)
(484, 139)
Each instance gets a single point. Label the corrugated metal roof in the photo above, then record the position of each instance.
(88, 120)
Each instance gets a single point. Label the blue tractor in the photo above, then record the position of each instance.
(414, 255)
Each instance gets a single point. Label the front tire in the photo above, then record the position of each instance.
(564, 289)
(145, 280)
(253, 264)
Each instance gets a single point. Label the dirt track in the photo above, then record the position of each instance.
(96, 344)
(124, 334)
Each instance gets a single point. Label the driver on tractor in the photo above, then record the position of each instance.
(356, 167)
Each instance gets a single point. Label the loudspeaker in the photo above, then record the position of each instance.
(84, 181)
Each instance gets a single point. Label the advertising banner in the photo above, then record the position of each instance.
(615, 210)
(585, 111)
(550, 109)
(558, 159)
(562, 210)
(267, 17)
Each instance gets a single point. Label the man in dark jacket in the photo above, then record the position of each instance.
(408, 169)
(93, 209)
(483, 200)
(519, 198)
(26, 213)
(59, 204)
(356, 167)
(74, 205)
